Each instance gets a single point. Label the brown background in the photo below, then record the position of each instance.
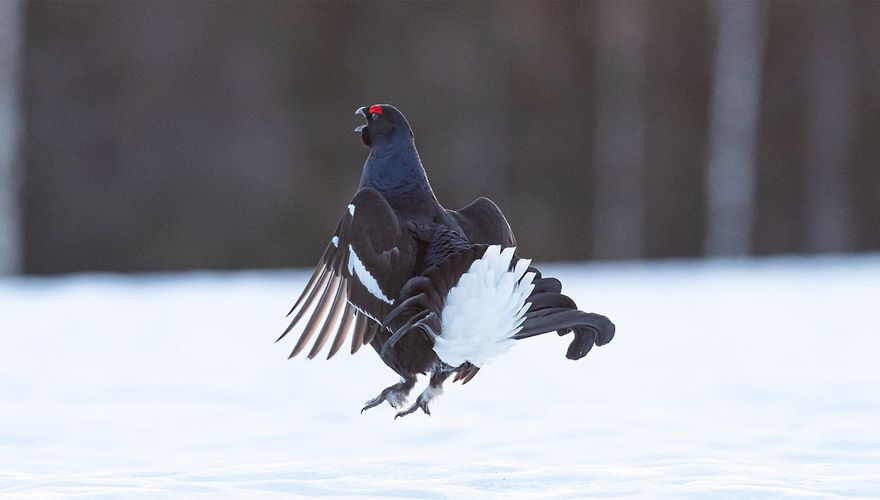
(177, 135)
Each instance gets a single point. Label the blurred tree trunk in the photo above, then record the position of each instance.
(11, 21)
(620, 190)
(831, 125)
(735, 111)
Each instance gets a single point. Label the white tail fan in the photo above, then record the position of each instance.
(485, 309)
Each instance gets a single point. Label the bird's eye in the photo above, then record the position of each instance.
(375, 111)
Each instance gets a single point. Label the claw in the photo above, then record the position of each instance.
(418, 404)
(422, 402)
(374, 402)
(395, 395)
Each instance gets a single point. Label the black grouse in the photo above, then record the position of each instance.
(433, 291)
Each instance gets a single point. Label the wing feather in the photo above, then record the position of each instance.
(472, 372)
(357, 336)
(363, 268)
(317, 290)
(484, 224)
(319, 316)
(344, 328)
(320, 270)
(370, 334)
(336, 310)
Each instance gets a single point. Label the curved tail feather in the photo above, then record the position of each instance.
(423, 300)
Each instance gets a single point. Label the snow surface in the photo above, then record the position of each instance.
(726, 379)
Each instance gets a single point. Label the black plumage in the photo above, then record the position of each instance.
(388, 274)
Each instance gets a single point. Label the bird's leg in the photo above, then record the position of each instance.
(434, 389)
(395, 395)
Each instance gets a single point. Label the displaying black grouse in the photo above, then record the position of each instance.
(434, 291)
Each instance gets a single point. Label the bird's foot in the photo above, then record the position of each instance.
(395, 395)
(422, 402)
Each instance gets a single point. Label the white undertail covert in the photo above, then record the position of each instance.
(485, 309)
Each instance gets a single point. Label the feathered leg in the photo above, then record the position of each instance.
(395, 395)
(434, 389)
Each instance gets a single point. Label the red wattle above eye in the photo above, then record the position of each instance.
(376, 109)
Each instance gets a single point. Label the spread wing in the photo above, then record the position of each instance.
(484, 224)
(357, 279)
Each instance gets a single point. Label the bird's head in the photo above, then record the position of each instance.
(384, 123)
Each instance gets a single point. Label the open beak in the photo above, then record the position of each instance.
(362, 129)
(363, 112)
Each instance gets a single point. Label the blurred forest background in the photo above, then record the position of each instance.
(139, 136)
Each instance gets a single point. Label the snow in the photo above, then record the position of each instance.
(726, 379)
